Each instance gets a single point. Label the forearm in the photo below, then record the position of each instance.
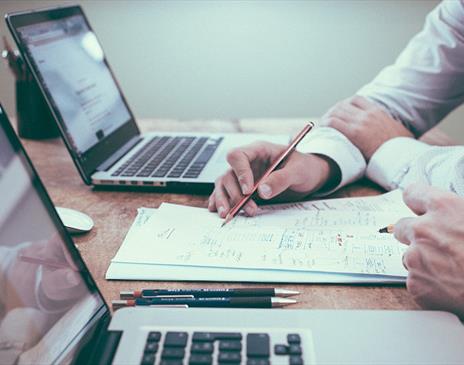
(402, 161)
(427, 80)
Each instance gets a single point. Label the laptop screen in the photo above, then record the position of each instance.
(47, 297)
(69, 64)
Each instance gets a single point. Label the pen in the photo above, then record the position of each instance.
(37, 261)
(271, 168)
(241, 302)
(387, 229)
(208, 293)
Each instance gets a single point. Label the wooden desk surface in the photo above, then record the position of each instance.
(113, 213)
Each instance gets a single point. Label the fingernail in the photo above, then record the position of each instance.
(265, 190)
(244, 189)
(249, 210)
(221, 211)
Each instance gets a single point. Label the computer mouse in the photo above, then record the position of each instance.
(74, 221)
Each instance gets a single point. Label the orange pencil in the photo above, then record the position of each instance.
(233, 212)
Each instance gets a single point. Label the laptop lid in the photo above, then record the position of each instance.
(48, 299)
(65, 57)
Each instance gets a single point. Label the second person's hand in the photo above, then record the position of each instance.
(300, 175)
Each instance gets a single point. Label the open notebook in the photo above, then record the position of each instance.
(324, 241)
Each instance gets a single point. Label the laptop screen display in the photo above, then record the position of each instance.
(73, 70)
(46, 298)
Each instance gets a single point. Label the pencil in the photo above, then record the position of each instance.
(37, 261)
(387, 229)
(233, 212)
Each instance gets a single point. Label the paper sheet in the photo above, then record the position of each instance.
(293, 238)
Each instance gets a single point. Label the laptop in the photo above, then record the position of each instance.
(52, 312)
(65, 57)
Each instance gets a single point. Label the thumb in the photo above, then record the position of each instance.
(274, 184)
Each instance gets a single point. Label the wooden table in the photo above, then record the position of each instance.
(113, 212)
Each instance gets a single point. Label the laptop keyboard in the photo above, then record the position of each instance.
(222, 348)
(173, 157)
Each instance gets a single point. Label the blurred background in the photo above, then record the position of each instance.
(237, 59)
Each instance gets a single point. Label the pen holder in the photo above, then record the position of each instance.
(34, 118)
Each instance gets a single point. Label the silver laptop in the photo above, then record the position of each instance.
(95, 121)
(51, 311)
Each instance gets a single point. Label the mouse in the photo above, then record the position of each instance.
(75, 221)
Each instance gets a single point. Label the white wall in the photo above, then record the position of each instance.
(207, 59)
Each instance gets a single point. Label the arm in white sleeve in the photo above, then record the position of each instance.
(331, 143)
(427, 80)
(403, 161)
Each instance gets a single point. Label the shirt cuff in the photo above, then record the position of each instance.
(331, 143)
(392, 161)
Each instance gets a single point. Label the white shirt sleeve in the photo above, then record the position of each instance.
(331, 143)
(403, 161)
(427, 80)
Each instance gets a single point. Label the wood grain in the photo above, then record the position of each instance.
(114, 211)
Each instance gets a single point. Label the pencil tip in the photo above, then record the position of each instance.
(383, 230)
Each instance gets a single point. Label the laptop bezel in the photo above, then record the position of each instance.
(101, 313)
(87, 162)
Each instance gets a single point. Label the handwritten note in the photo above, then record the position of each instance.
(294, 238)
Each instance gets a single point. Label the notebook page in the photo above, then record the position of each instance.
(328, 241)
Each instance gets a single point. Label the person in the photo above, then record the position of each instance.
(374, 133)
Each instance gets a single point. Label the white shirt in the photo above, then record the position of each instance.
(424, 84)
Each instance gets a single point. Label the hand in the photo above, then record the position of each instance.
(300, 175)
(435, 257)
(364, 123)
(56, 286)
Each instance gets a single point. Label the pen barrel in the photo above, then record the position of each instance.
(211, 293)
(238, 302)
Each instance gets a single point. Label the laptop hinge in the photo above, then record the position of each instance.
(116, 156)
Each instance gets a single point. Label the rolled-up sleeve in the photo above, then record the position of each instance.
(427, 80)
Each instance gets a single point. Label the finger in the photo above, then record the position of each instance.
(417, 197)
(275, 183)
(341, 126)
(403, 230)
(240, 161)
(232, 187)
(251, 208)
(361, 102)
(346, 112)
(212, 203)
(222, 200)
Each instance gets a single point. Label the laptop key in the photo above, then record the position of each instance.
(176, 339)
(154, 336)
(151, 347)
(230, 346)
(148, 359)
(281, 349)
(173, 353)
(213, 336)
(258, 362)
(229, 357)
(294, 350)
(258, 345)
(172, 362)
(202, 347)
(294, 338)
(296, 360)
(200, 359)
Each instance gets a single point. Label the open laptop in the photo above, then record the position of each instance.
(51, 310)
(96, 123)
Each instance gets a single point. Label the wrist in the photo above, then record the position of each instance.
(330, 174)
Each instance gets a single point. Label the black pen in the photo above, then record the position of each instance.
(241, 302)
(208, 293)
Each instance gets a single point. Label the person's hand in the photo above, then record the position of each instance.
(300, 175)
(57, 285)
(435, 257)
(364, 123)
